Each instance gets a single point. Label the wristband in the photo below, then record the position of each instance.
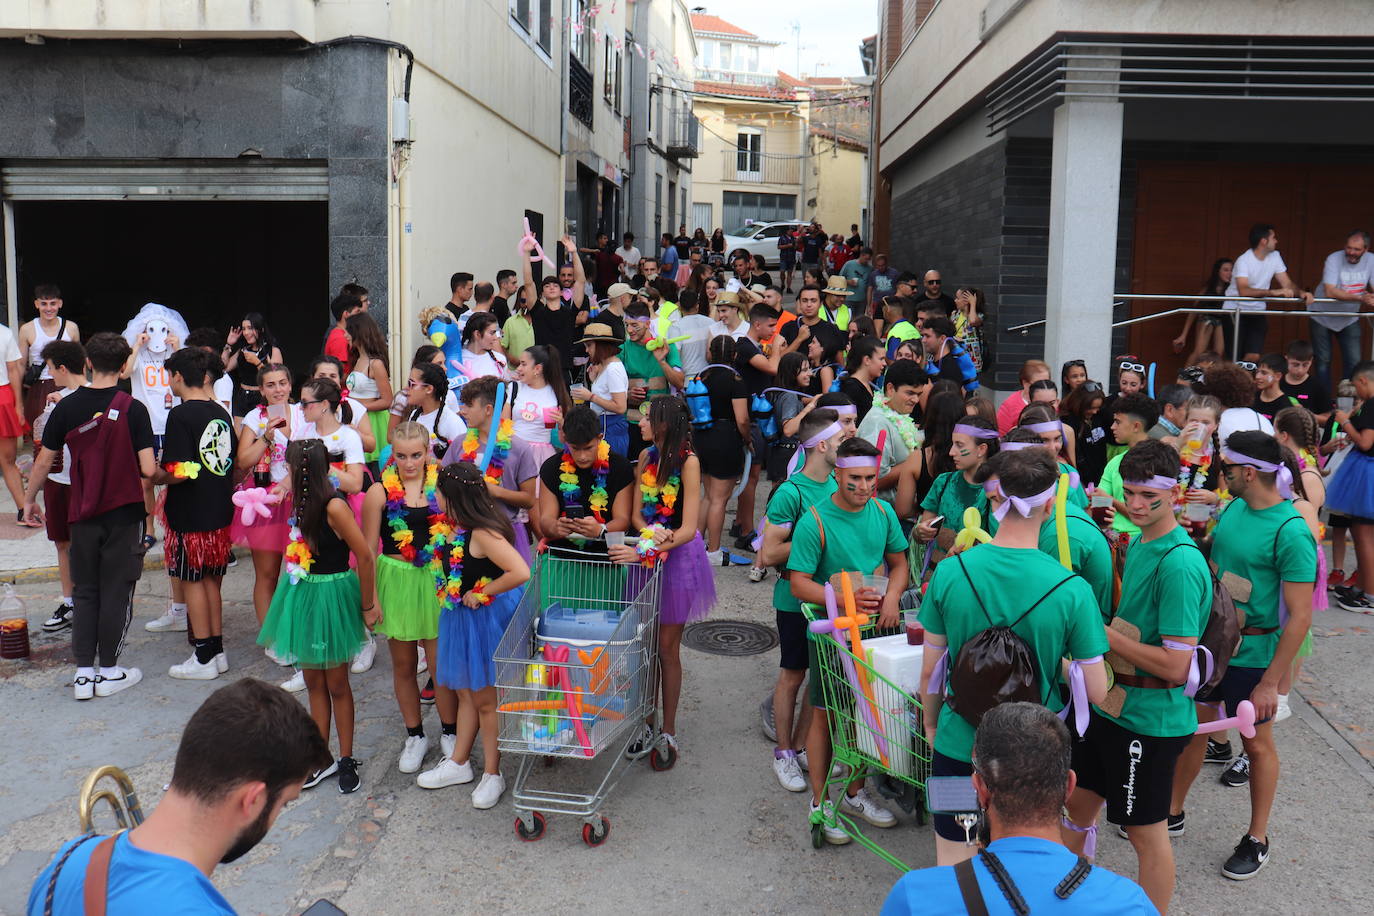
(479, 590)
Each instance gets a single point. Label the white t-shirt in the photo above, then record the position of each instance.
(612, 380)
(718, 329)
(527, 412)
(276, 449)
(151, 384)
(64, 476)
(1259, 274)
(448, 424)
(343, 443)
(631, 258)
(224, 392)
(1242, 419)
(9, 352)
(1353, 278)
(693, 351)
(480, 364)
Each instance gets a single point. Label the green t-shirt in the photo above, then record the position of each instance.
(1249, 545)
(1163, 596)
(1089, 553)
(640, 363)
(854, 541)
(1111, 483)
(1077, 495)
(951, 494)
(1010, 580)
(517, 335)
(793, 498)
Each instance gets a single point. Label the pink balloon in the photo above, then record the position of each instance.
(1243, 720)
(253, 504)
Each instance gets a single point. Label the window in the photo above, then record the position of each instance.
(738, 206)
(658, 113)
(708, 54)
(749, 151)
(581, 44)
(611, 78)
(726, 49)
(535, 19)
(753, 58)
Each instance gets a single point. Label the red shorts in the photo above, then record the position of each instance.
(193, 555)
(10, 425)
(56, 499)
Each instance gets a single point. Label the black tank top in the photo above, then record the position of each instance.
(331, 553)
(475, 568)
(417, 520)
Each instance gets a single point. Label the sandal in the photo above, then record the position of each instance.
(25, 523)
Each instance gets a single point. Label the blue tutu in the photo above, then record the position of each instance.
(468, 638)
(1351, 490)
(689, 586)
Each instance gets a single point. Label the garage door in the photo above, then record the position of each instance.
(237, 180)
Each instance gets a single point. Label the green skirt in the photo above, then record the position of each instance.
(410, 607)
(318, 621)
(1305, 649)
(379, 420)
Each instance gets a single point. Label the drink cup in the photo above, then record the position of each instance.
(1101, 502)
(1197, 513)
(915, 635)
(1345, 404)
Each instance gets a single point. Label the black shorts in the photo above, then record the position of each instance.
(1134, 773)
(1336, 520)
(1236, 684)
(941, 765)
(720, 451)
(792, 640)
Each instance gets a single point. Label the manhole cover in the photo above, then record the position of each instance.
(729, 637)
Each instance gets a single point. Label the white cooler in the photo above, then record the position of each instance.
(900, 663)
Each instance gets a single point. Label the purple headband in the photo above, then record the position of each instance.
(1022, 504)
(1018, 446)
(846, 410)
(857, 461)
(1049, 426)
(800, 457)
(1157, 482)
(1285, 476)
(975, 432)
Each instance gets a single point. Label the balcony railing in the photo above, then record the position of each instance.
(581, 91)
(683, 140)
(756, 168)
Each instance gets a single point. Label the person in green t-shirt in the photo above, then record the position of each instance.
(1264, 553)
(1052, 610)
(974, 441)
(902, 384)
(650, 371)
(820, 435)
(1128, 754)
(849, 532)
(1131, 422)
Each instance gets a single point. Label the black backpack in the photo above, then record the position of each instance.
(1221, 636)
(995, 666)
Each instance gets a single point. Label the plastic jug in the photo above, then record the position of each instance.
(14, 625)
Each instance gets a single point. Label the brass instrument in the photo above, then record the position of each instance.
(126, 807)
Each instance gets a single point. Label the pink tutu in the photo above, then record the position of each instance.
(269, 533)
(689, 586)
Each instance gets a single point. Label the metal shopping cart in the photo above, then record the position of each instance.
(875, 725)
(576, 672)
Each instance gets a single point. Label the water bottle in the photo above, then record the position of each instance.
(699, 403)
(14, 625)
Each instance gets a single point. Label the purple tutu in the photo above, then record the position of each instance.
(522, 542)
(271, 533)
(689, 586)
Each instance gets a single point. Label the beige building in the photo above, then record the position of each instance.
(838, 156)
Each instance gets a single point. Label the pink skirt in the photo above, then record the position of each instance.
(270, 534)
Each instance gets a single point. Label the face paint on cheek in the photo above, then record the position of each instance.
(851, 487)
(964, 453)
(1155, 504)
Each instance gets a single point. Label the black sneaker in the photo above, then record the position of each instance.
(60, 619)
(348, 775)
(734, 530)
(1176, 824)
(320, 776)
(1238, 773)
(1247, 860)
(746, 541)
(1218, 752)
(1353, 599)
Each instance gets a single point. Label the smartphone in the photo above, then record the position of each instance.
(951, 795)
(323, 908)
(276, 410)
(936, 523)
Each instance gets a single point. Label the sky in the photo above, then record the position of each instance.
(831, 31)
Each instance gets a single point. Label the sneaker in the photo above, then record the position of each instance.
(348, 775)
(770, 726)
(422, 665)
(109, 685)
(1353, 580)
(1335, 579)
(413, 754)
(488, 791)
(169, 621)
(233, 560)
(221, 663)
(643, 743)
(83, 688)
(427, 693)
(867, 808)
(192, 670)
(320, 776)
(295, 683)
(1352, 599)
(1217, 752)
(446, 744)
(835, 835)
(1247, 860)
(61, 619)
(1238, 773)
(788, 771)
(285, 661)
(362, 662)
(756, 574)
(746, 541)
(1284, 711)
(734, 530)
(714, 558)
(447, 773)
(1175, 827)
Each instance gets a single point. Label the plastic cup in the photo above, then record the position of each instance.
(1099, 505)
(1197, 512)
(915, 635)
(615, 538)
(1345, 405)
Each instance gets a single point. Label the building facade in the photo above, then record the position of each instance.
(838, 154)
(1057, 153)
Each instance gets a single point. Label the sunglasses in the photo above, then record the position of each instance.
(1090, 385)
(932, 283)
(1134, 367)
(1246, 365)
(1075, 362)
(305, 403)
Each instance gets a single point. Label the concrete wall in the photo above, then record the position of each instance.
(720, 121)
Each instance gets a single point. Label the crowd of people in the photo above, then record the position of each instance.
(559, 410)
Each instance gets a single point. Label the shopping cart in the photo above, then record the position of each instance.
(875, 728)
(576, 672)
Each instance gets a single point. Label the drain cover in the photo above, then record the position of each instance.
(729, 637)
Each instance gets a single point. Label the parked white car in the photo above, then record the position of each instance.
(761, 239)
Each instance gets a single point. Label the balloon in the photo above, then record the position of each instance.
(253, 503)
(536, 250)
(1243, 720)
(858, 677)
(972, 533)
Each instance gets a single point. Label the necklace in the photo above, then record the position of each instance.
(571, 489)
(298, 557)
(446, 540)
(499, 452)
(906, 427)
(659, 501)
(396, 514)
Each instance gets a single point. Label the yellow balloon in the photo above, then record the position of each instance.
(972, 533)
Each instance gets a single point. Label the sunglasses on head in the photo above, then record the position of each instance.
(1090, 385)
(1075, 362)
(1246, 365)
(1134, 367)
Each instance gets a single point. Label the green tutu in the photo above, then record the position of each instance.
(318, 621)
(410, 607)
(379, 419)
(1305, 649)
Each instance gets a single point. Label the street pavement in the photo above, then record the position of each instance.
(714, 834)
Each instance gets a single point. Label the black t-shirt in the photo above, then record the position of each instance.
(202, 432)
(557, 329)
(1270, 408)
(811, 248)
(830, 336)
(723, 387)
(755, 380)
(83, 404)
(500, 306)
(854, 241)
(859, 393)
(613, 321)
(619, 475)
(683, 244)
(1311, 393)
(943, 298)
(1363, 419)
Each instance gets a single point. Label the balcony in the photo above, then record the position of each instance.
(682, 136)
(581, 91)
(755, 168)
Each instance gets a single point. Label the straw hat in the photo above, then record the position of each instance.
(837, 287)
(599, 333)
(727, 298)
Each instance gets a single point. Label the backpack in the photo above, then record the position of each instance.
(104, 468)
(996, 666)
(1221, 636)
(698, 403)
(761, 411)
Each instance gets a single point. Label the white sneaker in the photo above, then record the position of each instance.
(366, 656)
(319, 776)
(106, 686)
(83, 688)
(284, 660)
(294, 684)
(757, 574)
(713, 558)
(221, 663)
(422, 665)
(488, 791)
(789, 774)
(413, 754)
(192, 670)
(1283, 712)
(447, 743)
(865, 807)
(170, 620)
(770, 728)
(447, 773)
(835, 835)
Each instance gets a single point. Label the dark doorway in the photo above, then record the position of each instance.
(212, 261)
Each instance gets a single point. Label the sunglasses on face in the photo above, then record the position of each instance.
(932, 283)
(1134, 367)
(1246, 365)
(305, 403)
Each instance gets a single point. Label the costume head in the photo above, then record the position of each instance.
(157, 321)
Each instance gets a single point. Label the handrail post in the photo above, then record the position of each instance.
(1235, 335)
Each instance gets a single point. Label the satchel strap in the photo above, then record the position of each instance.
(57, 871)
(969, 889)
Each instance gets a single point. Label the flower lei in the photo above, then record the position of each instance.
(572, 490)
(396, 514)
(906, 427)
(649, 552)
(444, 537)
(298, 557)
(182, 470)
(469, 452)
(658, 500)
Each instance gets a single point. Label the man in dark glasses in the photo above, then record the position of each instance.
(932, 287)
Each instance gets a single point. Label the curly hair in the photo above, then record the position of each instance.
(1229, 384)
